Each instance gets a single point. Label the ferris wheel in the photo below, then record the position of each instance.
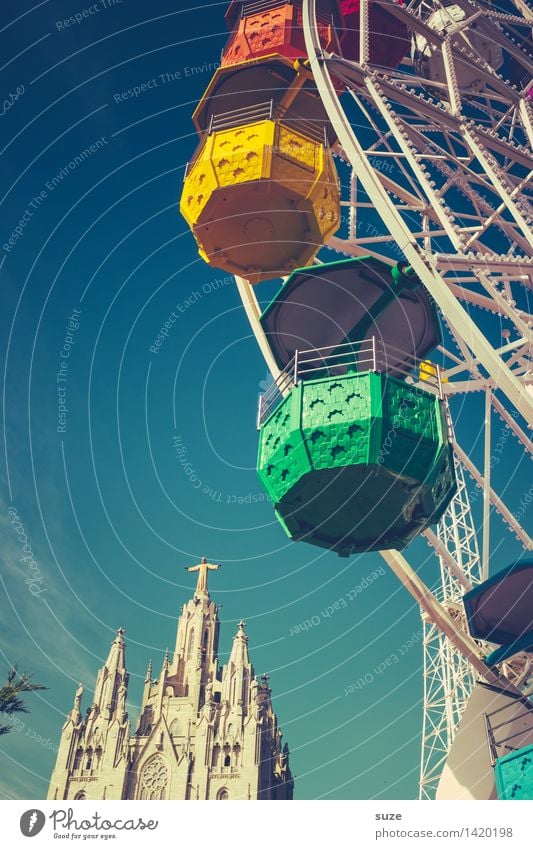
(397, 137)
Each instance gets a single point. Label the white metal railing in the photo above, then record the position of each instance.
(264, 111)
(335, 360)
(268, 110)
(254, 8)
(315, 130)
(498, 739)
(261, 6)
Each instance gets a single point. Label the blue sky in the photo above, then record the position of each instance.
(111, 510)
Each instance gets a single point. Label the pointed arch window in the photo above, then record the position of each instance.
(216, 756)
(114, 696)
(175, 728)
(190, 647)
(77, 759)
(81, 796)
(89, 760)
(204, 644)
(223, 794)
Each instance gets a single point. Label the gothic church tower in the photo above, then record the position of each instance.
(204, 732)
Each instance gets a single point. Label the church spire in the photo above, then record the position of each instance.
(163, 680)
(147, 683)
(194, 661)
(238, 674)
(111, 678)
(203, 568)
(239, 650)
(164, 668)
(116, 655)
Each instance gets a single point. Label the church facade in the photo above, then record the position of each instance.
(204, 731)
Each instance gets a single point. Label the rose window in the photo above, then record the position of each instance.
(154, 779)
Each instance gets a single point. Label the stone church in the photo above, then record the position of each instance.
(204, 731)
